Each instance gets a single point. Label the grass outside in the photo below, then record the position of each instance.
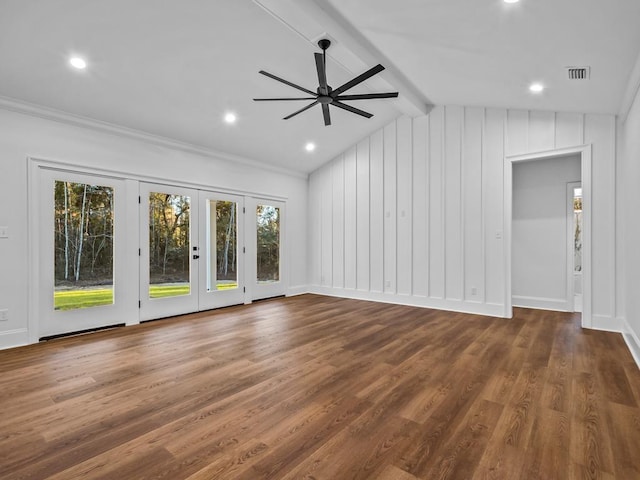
(161, 291)
(84, 298)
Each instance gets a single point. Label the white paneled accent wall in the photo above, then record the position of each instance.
(413, 214)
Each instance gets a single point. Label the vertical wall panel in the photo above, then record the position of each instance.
(436, 204)
(542, 131)
(599, 130)
(337, 187)
(390, 208)
(453, 203)
(473, 204)
(362, 233)
(569, 129)
(326, 277)
(420, 205)
(517, 132)
(315, 230)
(376, 212)
(350, 232)
(493, 182)
(404, 207)
(420, 217)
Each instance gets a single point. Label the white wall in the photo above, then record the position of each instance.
(539, 232)
(629, 221)
(414, 213)
(23, 136)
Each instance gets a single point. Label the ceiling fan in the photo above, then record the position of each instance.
(325, 95)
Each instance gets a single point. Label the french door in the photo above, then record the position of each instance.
(265, 219)
(169, 252)
(221, 250)
(112, 251)
(82, 256)
(192, 250)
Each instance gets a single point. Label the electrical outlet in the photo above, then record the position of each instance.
(474, 291)
(4, 232)
(387, 284)
(4, 315)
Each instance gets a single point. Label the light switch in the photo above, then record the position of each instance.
(4, 232)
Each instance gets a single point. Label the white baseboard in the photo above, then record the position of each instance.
(477, 308)
(14, 338)
(632, 340)
(297, 290)
(607, 323)
(541, 303)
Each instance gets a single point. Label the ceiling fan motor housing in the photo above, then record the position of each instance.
(324, 43)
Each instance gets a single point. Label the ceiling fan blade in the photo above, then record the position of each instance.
(366, 96)
(359, 79)
(351, 109)
(280, 99)
(326, 114)
(267, 74)
(301, 110)
(322, 73)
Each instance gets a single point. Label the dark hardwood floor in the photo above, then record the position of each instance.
(324, 388)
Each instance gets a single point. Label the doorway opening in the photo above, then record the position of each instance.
(566, 299)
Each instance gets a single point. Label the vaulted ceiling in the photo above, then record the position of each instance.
(173, 69)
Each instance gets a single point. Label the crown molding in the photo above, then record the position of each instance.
(59, 116)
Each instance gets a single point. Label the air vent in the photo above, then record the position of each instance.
(579, 73)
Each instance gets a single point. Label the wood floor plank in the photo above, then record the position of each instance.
(591, 439)
(625, 421)
(517, 418)
(500, 461)
(461, 454)
(324, 388)
(394, 473)
(548, 446)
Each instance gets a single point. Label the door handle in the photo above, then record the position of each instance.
(195, 257)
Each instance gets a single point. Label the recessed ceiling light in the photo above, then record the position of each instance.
(78, 63)
(230, 117)
(511, 1)
(310, 147)
(536, 87)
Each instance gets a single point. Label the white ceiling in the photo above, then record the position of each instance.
(173, 68)
(487, 52)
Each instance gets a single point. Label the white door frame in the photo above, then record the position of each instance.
(585, 171)
(126, 257)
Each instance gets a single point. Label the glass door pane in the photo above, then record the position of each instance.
(221, 228)
(223, 245)
(268, 243)
(577, 229)
(169, 242)
(83, 245)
